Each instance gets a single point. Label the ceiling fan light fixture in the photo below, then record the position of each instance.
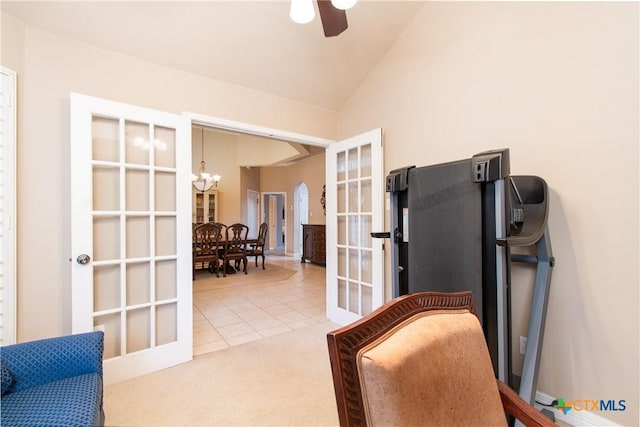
(302, 11)
(343, 4)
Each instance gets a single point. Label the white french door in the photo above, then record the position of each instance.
(7, 206)
(131, 234)
(354, 194)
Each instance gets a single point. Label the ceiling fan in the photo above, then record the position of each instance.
(332, 14)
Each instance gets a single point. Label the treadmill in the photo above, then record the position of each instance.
(453, 228)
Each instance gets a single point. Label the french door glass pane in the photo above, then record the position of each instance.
(106, 238)
(166, 235)
(137, 237)
(353, 230)
(342, 262)
(106, 287)
(342, 198)
(138, 283)
(165, 147)
(367, 299)
(353, 264)
(166, 279)
(105, 139)
(165, 183)
(166, 327)
(365, 161)
(341, 166)
(353, 163)
(137, 144)
(106, 188)
(366, 267)
(353, 197)
(365, 231)
(354, 297)
(137, 190)
(365, 195)
(138, 323)
(342, 294)
(342, 230)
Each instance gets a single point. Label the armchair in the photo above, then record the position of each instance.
(53, 382)
(421, 359)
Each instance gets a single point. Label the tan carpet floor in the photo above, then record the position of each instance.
(284, 380)
(276, 373)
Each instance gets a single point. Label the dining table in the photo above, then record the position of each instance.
(221, 246)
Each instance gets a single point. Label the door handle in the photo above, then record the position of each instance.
(83, 259)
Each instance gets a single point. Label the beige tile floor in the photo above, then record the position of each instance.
(239, 308)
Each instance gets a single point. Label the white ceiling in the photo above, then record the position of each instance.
(249, 43)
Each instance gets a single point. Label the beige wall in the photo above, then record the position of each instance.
(223, 151)
(220, 158)
(249, 180)
(52, 68)
(12, 44)
(286, 179)
(557, 83)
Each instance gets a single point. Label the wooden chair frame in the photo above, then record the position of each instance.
(345, 343)
(257, 249)
(236, 246)
(206, 246)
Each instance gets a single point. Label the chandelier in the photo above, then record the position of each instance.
(204, 181)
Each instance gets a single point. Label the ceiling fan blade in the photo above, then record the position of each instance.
(334, 21)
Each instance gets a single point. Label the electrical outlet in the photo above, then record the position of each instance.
(523, 345)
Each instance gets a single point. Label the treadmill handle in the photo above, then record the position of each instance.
(381, 235)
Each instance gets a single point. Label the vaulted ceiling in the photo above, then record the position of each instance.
(250, 43)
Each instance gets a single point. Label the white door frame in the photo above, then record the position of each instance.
(255, 130)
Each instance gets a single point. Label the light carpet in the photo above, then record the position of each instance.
(284, 380)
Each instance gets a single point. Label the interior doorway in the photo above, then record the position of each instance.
(274, 214)
(253, 213)
(300, 216)
(225, 125)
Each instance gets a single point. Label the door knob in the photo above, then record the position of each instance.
(83, 259)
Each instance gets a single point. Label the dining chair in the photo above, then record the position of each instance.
(207, 240)
(235, 247)
(257, 249)
(421, 359)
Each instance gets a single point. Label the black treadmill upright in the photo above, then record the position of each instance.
(452, 229)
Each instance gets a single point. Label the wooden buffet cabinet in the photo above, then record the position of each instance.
(313, 243)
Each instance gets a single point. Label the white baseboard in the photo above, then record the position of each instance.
(574, 418)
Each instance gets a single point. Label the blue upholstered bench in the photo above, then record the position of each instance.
(53, 382)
